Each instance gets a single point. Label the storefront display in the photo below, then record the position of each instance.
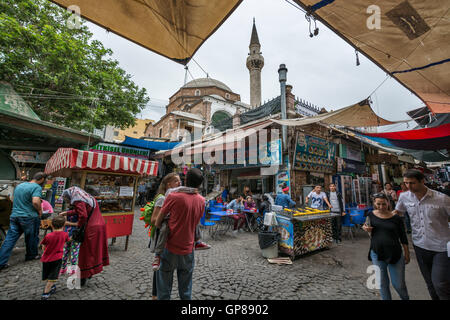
(111, 179)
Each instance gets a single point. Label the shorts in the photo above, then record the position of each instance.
(50, 270)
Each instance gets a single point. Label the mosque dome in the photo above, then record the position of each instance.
(206, 82)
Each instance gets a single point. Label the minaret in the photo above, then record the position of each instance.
(255, 62)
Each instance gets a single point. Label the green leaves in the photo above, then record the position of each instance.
(66, 77)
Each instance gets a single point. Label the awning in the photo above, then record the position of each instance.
(146, 144)
(68, 158)
(411, 41)
(357, 115)
(174, 29)
(435, 138)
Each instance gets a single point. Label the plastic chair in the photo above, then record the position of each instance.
(357, 217)
(346, 222)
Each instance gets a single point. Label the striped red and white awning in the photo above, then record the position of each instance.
(68, 158)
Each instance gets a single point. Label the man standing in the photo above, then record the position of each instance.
(318, 197)
(284, 199)
(25, 218)
(186, 210)
(429, 212)
(391, 194)
(141, 192)
(337, 207)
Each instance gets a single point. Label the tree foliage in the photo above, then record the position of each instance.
(67, 77)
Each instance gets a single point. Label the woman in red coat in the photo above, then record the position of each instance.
(93, 254)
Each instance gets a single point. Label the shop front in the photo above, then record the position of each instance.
(314, 163)
(111, 179)
(353, 179)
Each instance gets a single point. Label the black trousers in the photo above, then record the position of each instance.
(336, 224)
(435, 269)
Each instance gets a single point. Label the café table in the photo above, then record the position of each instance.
(224, 224)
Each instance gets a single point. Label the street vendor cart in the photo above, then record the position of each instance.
(111, 179)
(304, 233)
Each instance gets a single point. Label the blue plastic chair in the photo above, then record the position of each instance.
(204, 222)
(346, 222)
(357, 217)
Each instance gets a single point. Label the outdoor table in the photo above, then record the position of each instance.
(221, 228)
(304, 234)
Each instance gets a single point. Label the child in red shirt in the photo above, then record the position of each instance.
(53, 245)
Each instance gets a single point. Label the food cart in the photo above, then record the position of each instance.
(304, 231)
(111, 179)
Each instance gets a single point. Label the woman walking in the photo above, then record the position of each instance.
(93, 255)
(388, 236)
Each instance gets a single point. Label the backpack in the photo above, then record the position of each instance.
(146, 215)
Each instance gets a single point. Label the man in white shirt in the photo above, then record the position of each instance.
(429, 212)
(318, 197)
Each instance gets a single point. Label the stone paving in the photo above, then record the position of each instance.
(233, 269)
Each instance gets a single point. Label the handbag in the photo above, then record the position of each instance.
(78, 233)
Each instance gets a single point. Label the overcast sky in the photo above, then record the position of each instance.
(322, 69)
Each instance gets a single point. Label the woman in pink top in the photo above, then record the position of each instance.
(46, 207)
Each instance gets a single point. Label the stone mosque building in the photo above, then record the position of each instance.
(206, 102)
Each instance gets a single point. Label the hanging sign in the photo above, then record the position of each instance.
(314, 154)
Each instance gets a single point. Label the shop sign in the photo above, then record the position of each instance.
(121, 150)
(314, 154)
(126, 191)
(351, 166)
(350, 153)
(31, 156)
(282, 178)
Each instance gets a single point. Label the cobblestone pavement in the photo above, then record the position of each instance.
(232, 269)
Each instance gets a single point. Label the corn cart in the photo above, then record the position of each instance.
(304, 230)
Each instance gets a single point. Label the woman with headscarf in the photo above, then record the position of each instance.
(93, 255)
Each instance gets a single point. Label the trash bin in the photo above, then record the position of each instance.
(268, 242)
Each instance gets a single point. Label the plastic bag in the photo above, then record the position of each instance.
(270, 219)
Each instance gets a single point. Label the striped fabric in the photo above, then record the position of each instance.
(68, 158)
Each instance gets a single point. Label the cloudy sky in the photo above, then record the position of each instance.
(322, 69)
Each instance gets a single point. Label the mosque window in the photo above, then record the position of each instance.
(197, 92)
(227, 95)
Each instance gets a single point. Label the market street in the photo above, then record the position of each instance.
(233, 269)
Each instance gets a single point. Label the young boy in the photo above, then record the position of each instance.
(53, 244)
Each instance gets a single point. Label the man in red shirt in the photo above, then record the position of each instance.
(186, 210)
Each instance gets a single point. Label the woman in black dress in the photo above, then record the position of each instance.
(388, 236)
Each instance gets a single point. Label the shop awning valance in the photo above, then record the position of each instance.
(436, 138)
(409, 39)
(68, 158)
(357, 115)
(174, 29)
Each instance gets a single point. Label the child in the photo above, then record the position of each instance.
(53, 244)
(72, 248)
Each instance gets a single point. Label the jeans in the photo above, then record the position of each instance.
(397, 273)
(184, 264)
(435, 269)
(19, 225)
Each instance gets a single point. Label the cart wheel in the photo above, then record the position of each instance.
(2, 236)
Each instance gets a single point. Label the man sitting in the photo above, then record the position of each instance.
(284, 199)
(237, 205)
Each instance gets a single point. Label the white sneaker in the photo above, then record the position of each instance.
(234, 233)
(241, 230)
